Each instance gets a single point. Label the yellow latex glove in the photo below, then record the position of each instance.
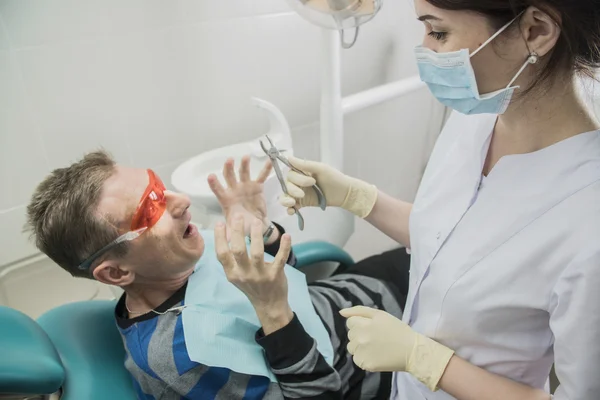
(340, 190)
(380, 342)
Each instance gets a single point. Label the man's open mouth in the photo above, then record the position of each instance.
(188, 231)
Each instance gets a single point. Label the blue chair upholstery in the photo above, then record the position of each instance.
(87, 340)
(86, 337)
(29, 364)
(311, 253)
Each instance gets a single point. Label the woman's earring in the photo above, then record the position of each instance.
(533, 58)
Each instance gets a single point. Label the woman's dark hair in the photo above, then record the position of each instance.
(577, 49)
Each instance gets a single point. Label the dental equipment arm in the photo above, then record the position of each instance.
(362, 199)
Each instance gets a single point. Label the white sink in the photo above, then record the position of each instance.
(333, 225)
(191, 176)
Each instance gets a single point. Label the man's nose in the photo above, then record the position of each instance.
(177, 203)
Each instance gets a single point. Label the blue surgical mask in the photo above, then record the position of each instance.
(451, 79)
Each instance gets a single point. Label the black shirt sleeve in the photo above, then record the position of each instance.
(273, 248)
(301, 370)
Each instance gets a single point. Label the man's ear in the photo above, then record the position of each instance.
(540, 31)
(112, 273)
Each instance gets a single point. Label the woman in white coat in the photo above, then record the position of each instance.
(505, 228)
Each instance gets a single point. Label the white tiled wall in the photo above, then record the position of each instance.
(157, 81)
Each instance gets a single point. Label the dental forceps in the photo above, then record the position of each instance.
(275, 155)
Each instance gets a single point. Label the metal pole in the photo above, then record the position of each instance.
(332, 129)
(380, 94)
(332, 116)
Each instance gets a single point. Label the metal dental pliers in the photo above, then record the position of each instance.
(275, 155)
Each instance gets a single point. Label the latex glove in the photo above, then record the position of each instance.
(340, 190)
(381, 342)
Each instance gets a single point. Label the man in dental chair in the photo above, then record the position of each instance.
(120, 226)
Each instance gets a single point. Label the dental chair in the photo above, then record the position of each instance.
(75, 352)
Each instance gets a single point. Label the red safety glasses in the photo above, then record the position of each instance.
(150, 209)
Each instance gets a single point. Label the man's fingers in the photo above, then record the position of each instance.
(265, 172)
(359, 311)
(300, 180)
(216, 187)
(238, 242)
(257, 247)
(245, 169)
(285, 246)
(222, 249)
(229, 173)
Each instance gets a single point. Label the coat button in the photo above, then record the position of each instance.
(439, 235)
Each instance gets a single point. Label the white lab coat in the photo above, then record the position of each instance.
(508, 273)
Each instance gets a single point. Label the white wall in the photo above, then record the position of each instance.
(156, 81)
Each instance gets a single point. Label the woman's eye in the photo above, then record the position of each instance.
(437, 35)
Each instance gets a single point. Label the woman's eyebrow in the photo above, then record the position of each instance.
(428, 17)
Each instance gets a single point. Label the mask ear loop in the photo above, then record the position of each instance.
(532, 59)
(495, 35)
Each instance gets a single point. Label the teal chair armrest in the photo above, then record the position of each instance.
(310, 253)
(29, 364)
(86, 337)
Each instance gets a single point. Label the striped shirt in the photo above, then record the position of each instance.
(157, 358)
